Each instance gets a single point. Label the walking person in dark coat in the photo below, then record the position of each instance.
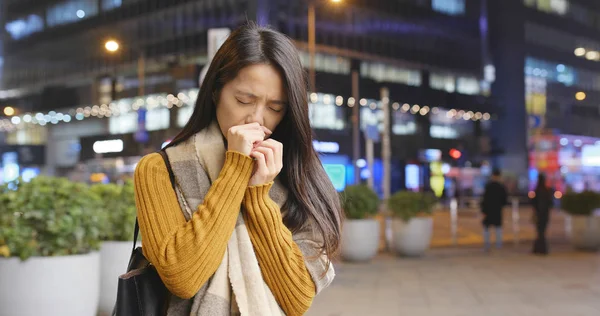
(542, 203)
(495, 198)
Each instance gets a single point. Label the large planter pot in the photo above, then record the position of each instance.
(412, 238)
(50, 286)
(360, 239)
(114, 258)
(585, 232)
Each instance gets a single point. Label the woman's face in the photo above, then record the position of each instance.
(257, 94)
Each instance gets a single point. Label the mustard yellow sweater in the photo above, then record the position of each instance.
(186, 254)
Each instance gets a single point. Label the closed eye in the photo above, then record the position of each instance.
(276, 110)
(242, 102)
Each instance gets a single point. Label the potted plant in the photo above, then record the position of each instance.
(49, 241)
(585, 227)
(412, 225)
(118, 206)
(360, 236)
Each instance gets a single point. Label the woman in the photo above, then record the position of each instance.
(255, 220)
(542, 203)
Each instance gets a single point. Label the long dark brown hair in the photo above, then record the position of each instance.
(312, 196)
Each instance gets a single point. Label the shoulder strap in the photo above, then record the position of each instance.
(168, 163)
(164, 156)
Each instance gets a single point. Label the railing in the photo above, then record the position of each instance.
(515, 222)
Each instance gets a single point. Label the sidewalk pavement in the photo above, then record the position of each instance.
(467, 282)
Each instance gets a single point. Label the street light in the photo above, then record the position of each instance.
(311, 41)
(113, 46)
(9, 111)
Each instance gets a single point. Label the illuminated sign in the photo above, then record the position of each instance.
(412, 177)
(108, 146)
(430, 155)
(337, 175)
(436, 181)
(10, 166)
(446, 132)
(326, 147)
(590, 156)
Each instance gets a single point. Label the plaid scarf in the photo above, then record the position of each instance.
(237, 287)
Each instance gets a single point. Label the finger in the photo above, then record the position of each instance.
(270, 158)
(277, 148)
(254, 136)
(267, 131)
(261, 164)
(256, 126)
(246, 127)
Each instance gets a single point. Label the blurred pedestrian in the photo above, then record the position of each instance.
(542, 203)
(495, 198)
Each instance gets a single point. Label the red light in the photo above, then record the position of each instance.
(454, 153)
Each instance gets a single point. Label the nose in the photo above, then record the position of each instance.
(256, 115)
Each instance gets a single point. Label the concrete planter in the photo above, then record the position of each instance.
(114, 257)
(50, 286)
(360, 239)
(585, 232)
(412, 238)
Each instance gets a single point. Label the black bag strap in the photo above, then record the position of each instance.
(164, 156)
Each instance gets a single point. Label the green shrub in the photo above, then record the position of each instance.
(49, 217)
(118, 206)
(583, 203)
(408, 204)
(359, 202)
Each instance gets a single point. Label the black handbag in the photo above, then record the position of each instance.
(141, 292)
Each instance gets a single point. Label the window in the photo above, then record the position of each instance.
(325, 114)
(371, 115)
(24, 27)
(71, 11)
(403, 123)
(385, 73)
(446, 125)
(157, 119)
(184, 115)
(123, 124)
(444, 82)
(565, 8)
(559, 7)
(327, 63)
(554, 72)
(467, 85)
(451, 7)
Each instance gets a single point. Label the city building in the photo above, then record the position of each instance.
(547, 56)
(105, 70)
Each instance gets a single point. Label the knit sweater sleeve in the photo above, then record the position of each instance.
(281, 260)
(187, 253)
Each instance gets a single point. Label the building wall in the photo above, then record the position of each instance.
(508, 49)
